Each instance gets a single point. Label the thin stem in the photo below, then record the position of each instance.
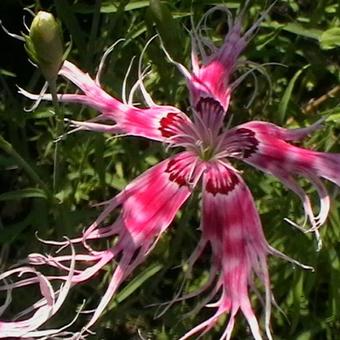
(93, 32)
(59, 130)
(314, 104)
(8, 148)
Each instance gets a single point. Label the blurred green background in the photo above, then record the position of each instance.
(303, 35)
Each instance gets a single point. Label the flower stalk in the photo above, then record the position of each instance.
(8, 148)
(45, 47)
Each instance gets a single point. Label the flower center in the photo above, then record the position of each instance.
(206, 153)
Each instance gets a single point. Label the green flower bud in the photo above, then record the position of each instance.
(44, 44)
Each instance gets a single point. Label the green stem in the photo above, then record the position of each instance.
(93, 33)
(8, 148)
(59, 131)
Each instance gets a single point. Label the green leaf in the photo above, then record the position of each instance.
(24, 193)
(7, 73)
(283, 105)
(295, 28)
(9, 149)
(135, 284)
(333, 115)
(330, 38)
(66, 13)
(108, 7)
(168, 28)
(307, 335)
(42, 113)
(13, 231)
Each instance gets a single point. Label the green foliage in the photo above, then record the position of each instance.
(330, 38)
(302, 35)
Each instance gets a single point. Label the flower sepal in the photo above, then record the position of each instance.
(44, 44)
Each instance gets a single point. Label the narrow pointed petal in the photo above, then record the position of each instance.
(51, 303)
(231, 225)
(288, 135)
(89, 87)
(210, 78)
(161, 123)
(266, 147)
(149, 204)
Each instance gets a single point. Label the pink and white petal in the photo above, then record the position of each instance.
(326, 165)
(212, 78)
(145, 201)
(203, 327)
(269, 144)
(162, 123)
(149, 204)
(101, 106)
(92, 126)
(110, 105)
(282, 133)
(265, 146)
(83, 81)
(158, 122)
(51, 303)
(230, 223)
(100, 258)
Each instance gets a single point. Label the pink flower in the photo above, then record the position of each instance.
(230, 223)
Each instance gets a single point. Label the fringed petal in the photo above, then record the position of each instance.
(44, 310)
(213, 66)
(266, 147)
(231, 225)
(161, 123)
(149, 204)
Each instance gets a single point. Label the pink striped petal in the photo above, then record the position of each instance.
(209, 84)
(211, 79)
(232, 228)
(149, 204)
(162, 123)
(266, 147)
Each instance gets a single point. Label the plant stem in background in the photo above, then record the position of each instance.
(59, 131)
(45, 47)
(8, 148)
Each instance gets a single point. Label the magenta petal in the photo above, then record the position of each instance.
(231, 225)
(211, 78)
(273, 151)
(266, 147)
(156, 122)
(151, 201)
(213, 66)
(149, 204)
(162, 123)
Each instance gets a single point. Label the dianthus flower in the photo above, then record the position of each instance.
(230, 223)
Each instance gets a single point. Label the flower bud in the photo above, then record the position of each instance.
(44, 44)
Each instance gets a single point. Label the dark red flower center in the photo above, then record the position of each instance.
(209, 107)
(176, 173)
(222, 183)
(248, 144)
(170, 124)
